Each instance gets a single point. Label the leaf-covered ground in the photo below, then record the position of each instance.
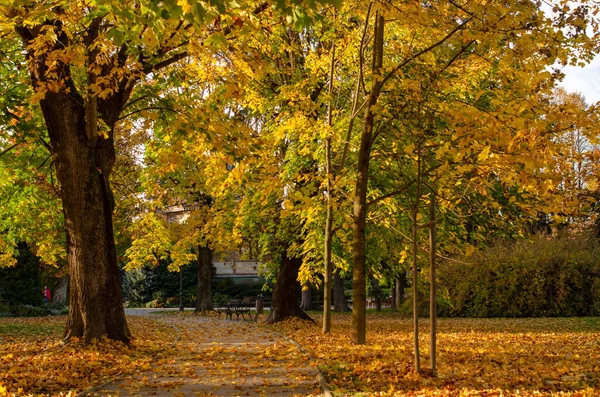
(34, 361)
(176, 355)
(187, 355)
(481, 357)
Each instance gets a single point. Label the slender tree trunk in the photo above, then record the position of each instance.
(340, 304)
(393, 293)
(306, 302)
(181, 289)
(329, 216)
(204, 300)
(432, 287)
(359, 318)
(285, 292)
(415, 255)
(377, 294)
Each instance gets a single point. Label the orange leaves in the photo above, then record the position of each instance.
(476, 357)
(33, 359)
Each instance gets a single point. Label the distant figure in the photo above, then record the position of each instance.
(46, 294)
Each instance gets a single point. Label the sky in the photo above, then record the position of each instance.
(584, 80)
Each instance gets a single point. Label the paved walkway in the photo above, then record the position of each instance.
(219, 357)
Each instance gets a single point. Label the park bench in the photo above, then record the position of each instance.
(237, 307)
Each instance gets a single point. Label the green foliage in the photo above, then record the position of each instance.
(557, 276)
(21, 284)
(157, 284)
(29, 311)
(234, 290)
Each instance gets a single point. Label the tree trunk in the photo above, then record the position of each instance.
(432, 286)
(329, 217)
(204, 299)
(285, 292)
(60, 293)
(340, 304)
(306, 302)
(83, 166)
(359, 318)
(393, 293)
(415, 255)
(400, 288)
(376, 290)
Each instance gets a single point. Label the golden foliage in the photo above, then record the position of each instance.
(476, 357)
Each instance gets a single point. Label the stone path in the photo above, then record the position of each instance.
(218, 357)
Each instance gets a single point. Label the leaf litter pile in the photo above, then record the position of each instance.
(476, 357)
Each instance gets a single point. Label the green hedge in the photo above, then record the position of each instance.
(547, 277)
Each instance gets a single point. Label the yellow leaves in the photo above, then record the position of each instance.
(39, 363)
(149, 38)
(484, 154)
(500, 357)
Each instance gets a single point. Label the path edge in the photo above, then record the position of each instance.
(327, 392)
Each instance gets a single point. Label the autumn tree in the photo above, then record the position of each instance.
(84, 62)
(477, 36)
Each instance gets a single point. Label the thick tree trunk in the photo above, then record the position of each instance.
(83, 166)
(60, 293)
(285, 293)
(306, 303)
(359, 318)
(340, 304)
(204, 300)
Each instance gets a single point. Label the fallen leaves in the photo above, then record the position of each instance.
(479, 357)
(34, 360)
(206, 356)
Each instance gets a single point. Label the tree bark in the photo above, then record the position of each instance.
(306, 302)
(393, 293)
(376, 293)
(340, 304)
(83, 161)
(329, 216)
(285, 292)
(83, 168)
(204, 293)
(359, 318)
(432, 287)
(400, 288)
(415, 256)
(60, 293)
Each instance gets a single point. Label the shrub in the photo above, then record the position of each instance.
(555, 276)
(29, 311)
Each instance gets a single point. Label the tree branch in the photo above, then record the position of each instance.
(148, 108)
(425, 50)
(167, 62)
